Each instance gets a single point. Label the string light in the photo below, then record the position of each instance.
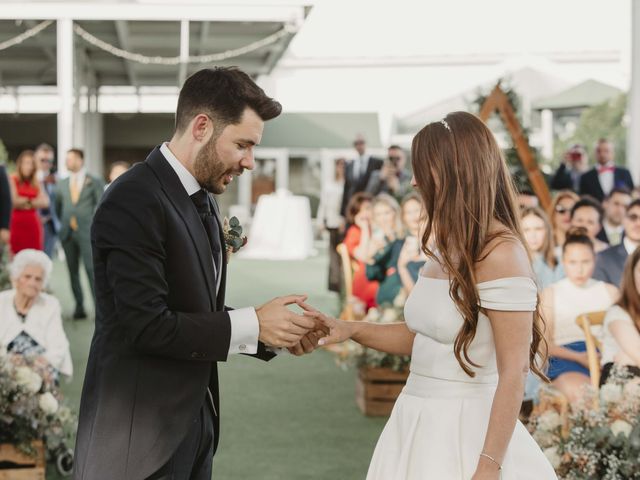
(32, 32)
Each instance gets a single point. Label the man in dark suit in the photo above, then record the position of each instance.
(50, 223)
(150, 402)
(605, 176)
(358, 172)
(575, 163)
(77, 198)
(5, 207)
(610, 262)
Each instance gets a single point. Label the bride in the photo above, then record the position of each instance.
(473, 324)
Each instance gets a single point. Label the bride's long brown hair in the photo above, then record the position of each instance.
(465, 186)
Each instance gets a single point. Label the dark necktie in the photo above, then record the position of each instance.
(203, 205)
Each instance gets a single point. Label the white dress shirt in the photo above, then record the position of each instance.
(43, 323)
(614, 233)
(78, 179)
(244, 321)
(629, 245)
(606, 179)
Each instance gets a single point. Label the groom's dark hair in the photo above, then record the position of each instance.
(223, 93)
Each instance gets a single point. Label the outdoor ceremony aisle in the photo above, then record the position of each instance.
(289, 419)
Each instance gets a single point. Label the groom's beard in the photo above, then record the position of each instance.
(209, 170)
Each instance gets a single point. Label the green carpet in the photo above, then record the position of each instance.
(292, 418)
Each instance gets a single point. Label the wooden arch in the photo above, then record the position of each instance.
(498, 102)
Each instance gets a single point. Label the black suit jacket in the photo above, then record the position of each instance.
(354, 185)
(5, 199)
(562, 179)
(590, 184)
(610, 264)
(160, 327)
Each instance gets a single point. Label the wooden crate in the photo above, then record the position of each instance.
(377, 390)
(26, 467)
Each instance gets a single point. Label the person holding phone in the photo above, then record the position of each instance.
(575, 163)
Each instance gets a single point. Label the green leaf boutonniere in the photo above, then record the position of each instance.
(233, 238)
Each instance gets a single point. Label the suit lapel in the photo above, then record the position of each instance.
(223, 265)
(183, 204)
(596, 182)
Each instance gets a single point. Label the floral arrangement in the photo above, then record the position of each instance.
(354, 354)
(600, 439)
(5, 281)
(233, 238)
(31, 409)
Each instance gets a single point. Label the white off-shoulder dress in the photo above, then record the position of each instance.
(438, 425)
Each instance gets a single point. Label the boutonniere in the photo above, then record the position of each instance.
(233, 238)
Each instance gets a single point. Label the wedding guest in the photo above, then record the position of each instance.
(50, 223)
(357, 239)
(386, 225)
(329, 218)
(77, 198)
(117, 169)
(610, 262)
(398, 264)
(30, 321)
(605, 176)
(536, 229)
(358, 172)
(527, 198)
(563, 302)
(5, 207)
(27, 197)
(614, 206)
(621, 332)
(588, 213)
(560, 215)
(575, 163)
(393, 178)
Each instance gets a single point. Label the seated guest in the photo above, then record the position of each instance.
(610, 262)
(398, 264)
(560, 215)
(621, 332)
(587, 213)
(575, 163)
(386, 226)
(526, 199)
(605, 176)
(565, 300)
(357, 240)
(30, 321)
(117, 169)
(539, 237)
(615, 207)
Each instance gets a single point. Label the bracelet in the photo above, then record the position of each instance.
(492, 459)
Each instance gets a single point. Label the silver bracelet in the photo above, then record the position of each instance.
(492, 459)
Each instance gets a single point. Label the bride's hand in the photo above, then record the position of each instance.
(336, 331)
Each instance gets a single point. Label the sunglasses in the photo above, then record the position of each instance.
(561, 210)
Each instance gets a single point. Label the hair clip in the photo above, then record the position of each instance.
(446, 125)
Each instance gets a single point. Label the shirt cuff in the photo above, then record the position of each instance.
(244, 331)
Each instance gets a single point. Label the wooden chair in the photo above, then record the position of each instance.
(587, 321)
(347, 273)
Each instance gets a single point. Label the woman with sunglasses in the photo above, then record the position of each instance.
(560, 215)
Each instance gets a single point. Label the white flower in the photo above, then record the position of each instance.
(389, 316)
(620, 426)
(553, 456)
(373, 315)
(64, 414)
(27, 378)
(400, 299)
(549, 420)
(48, 403)
(611, 393)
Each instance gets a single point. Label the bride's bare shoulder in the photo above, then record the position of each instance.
(504, 256)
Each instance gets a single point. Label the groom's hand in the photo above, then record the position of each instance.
(309, 342)
(279, 326)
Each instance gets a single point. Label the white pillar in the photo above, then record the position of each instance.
(94, 143)
(547, 134)
(184, 52)
(65, 90)
(327, 167)
(633, 136)
(244, 189)
(282, 169)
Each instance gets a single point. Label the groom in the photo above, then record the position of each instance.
(150, 401)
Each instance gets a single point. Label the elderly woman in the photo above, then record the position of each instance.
(30, 321)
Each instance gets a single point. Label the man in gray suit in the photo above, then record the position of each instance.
(77, 197)
(610, 262)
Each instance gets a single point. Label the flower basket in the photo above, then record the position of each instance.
(377, 389)
(16, 465)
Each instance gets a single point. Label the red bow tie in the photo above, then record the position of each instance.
(606, 169)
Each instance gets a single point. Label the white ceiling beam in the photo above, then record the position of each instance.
(136, 11)
(122, 30)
